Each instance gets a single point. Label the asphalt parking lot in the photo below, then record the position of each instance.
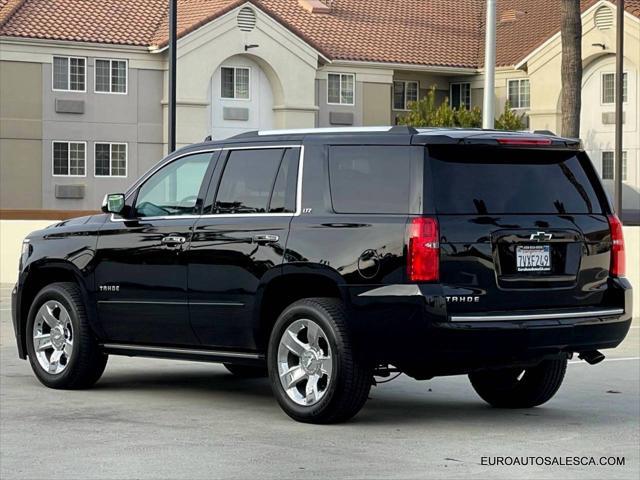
(168, 419)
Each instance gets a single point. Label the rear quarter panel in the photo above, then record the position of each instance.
(359, 252)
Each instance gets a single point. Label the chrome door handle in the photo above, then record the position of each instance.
(173, 241)
(265, 238)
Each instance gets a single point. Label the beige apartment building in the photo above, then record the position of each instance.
(83, 83)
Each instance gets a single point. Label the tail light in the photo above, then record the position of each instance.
(520, 141)
(617, 268)
(423, 250)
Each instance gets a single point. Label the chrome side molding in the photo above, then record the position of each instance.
(537, 316)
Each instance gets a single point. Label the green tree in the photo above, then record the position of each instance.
(421, 113)
(509, 119)
(469, 118)
(425, 113)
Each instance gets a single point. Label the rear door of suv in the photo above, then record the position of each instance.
(521, 228)
(240, 240)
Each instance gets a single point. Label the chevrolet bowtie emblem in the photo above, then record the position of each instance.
(541, 236)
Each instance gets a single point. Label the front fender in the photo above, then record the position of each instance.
(61, 252)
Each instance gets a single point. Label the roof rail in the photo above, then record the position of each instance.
(252, 133)
(403, 129)
(304, 131)
(398, 129)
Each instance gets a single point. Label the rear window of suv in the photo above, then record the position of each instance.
(485, 180)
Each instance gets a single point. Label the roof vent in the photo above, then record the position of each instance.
(316, 6)
(246, 19)
(604, 18)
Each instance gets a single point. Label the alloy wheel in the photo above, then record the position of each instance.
(53, 337)
(305, 362)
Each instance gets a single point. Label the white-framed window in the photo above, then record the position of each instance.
(111, 76)
(608, 165)
(341, 88)
(110, 159)
(518, 91)
(234, 83)
(460, 95)
(69, 74)
(609, 88)
(404, 92)
(69, 159)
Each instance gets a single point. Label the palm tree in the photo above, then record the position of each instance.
(571, 70)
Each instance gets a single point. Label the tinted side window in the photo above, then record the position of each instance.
(248, 180)
(472, 180)
(283, 199)
(173, 190)
(370, 179)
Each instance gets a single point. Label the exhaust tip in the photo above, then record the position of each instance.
(592, 357)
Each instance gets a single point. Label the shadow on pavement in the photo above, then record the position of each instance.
(388, 406)
(211, 382)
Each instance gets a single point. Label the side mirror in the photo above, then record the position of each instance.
(113, 203)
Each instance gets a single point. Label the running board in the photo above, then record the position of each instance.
(538, 316)
(180, 353)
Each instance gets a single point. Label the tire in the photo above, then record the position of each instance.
(80, 364)
(342, 381)
(246, 371)
(504, 388)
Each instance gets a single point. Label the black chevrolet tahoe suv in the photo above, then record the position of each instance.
(329, 257)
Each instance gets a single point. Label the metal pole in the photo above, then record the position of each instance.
(488, 116)
(173, 22)
(619, 125)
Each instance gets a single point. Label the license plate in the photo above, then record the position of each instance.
(533, 258)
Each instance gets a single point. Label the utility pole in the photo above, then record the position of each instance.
(488, 116)
(173, 23)
(619, 114)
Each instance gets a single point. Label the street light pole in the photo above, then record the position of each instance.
(617, 175)
(173, 21)
(488, 117)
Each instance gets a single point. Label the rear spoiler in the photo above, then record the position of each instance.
(496, 138)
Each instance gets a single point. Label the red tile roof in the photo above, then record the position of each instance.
(8, 8)
(372, 30)
(433, 32)
(424, 32)
(125, 22)
(633, 7)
